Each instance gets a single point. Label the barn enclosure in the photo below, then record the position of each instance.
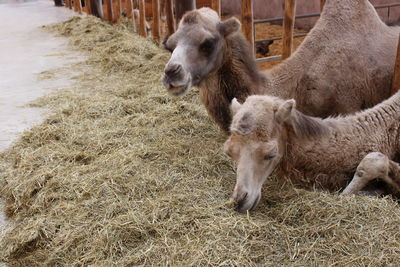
(161, 14)
(122, 174)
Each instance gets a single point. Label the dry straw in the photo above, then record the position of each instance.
(121, 174)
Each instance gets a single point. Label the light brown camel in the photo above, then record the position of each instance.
(345, 64)
(269, 133)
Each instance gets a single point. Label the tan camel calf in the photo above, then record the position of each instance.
(269, 133)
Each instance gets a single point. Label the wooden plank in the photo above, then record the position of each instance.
(88, 7)
(78, 6)
(216, 5)
(109, 8)
(142, 19)
(247, 22)
(116, 10)
(321, 5)
(169, 13)
(181, 7)
(288, 27)
(156, 20)
(396, 75)
(129, 9)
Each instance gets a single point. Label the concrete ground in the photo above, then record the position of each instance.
(26, 53)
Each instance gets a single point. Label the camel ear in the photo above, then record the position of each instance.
(229, 26)
(244, 125)
(304, 126)
(235, 106)
(285, 110)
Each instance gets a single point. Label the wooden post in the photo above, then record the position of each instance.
(78, 6)
(216, 5)
(181, 7)
(67, 3)
(142, 19)
(288, 26)
(247, 22)
(396, 74)
(321, 5)
(170, 17)
(110, 14)
(88, 7)
(129, 9)
(156, 20)
(117, 11)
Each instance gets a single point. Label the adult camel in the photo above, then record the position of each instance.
(345, 64)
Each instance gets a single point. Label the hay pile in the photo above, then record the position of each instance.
(122, 174)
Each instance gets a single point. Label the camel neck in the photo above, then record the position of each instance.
(238, 77)
(336, 155)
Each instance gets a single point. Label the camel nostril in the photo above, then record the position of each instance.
(173, 70)
(241, 202)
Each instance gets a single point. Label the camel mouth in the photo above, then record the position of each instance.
(178, 90)
(245, 204)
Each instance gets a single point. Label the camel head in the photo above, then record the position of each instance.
(197, 49)
(260, 129)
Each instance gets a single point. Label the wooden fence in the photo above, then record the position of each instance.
(114, 9)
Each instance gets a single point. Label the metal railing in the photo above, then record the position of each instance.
(278, 57)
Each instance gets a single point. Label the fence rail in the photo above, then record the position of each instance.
(115, 8)
(287, 31)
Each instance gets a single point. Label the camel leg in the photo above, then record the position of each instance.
(374, 165)
(393, 179)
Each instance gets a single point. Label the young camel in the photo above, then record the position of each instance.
(345, 64)
(269, 133)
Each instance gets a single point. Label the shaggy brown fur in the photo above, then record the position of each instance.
(344, 65)
(310, 151)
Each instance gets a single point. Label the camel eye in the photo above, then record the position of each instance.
(166, 46)
(207, 46)
(269, 156)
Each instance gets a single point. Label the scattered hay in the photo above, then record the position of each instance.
(46, 75)
(122, 174)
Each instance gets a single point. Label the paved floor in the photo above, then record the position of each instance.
(25, 52)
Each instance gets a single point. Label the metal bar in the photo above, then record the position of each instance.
(280, 38)
(267, 59)
(281, 18)
(278, 57)
(313, 15)
(387, 5)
